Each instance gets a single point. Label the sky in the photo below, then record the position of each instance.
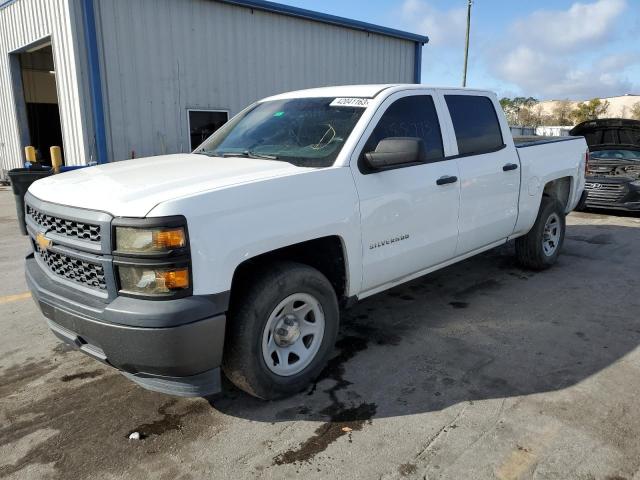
(545, 49)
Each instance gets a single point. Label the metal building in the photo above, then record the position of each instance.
(116, 79)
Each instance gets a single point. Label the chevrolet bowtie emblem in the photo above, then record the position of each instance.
(43, 242)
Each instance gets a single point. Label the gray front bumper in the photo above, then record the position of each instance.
(171, 346)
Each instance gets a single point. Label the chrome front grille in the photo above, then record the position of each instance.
(85, 273)
(605, 192)
(66, 227)
(72, 245)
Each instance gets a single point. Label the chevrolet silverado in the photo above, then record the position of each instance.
(237, 258)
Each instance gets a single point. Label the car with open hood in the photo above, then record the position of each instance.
(613, 174)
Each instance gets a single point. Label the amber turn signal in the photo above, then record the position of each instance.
(169, 239)
(150, 281)
(133, 240)
(174, 279)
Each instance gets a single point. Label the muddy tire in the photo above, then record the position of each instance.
(539, 249)
(281, 330)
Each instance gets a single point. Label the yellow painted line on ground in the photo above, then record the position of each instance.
(14, 298)
(522, 459)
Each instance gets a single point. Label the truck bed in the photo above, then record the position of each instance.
(544, 159)
(529, 141)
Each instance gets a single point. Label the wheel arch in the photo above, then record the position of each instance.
(561, 189)
(326, 254)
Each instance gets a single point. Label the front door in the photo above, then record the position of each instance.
(409, 214)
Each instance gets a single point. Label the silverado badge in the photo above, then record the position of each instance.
(43, 242)
(388, 241)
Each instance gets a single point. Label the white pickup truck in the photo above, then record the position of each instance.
(238, 256)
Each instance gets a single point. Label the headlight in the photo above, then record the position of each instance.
(132, 240)
(153, 281)
(152, 257)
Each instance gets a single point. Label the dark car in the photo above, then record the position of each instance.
(613, 174)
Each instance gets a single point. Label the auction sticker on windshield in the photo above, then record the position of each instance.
(350, 102)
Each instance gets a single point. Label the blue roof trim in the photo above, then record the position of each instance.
(5, 3)
(95, 81)
(417, 64)
(326, 18)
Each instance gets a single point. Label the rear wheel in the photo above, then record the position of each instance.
(281, 331)
(539, 249)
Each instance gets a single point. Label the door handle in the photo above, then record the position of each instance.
(446, 179)
(510, 166)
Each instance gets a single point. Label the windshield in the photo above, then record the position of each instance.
(616, 154)
(307, 132)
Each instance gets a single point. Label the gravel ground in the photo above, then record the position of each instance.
(481, 370)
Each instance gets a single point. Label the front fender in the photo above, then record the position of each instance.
(230, 225)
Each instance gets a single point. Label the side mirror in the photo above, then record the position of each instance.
(393, 151)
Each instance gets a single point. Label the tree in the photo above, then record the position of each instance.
(510, 110)
(591, 110)
(635, 111)
(520, 111)
(530, 115)
(505, 103)
(623, 111)
(561, 114)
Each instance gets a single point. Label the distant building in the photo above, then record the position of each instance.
(112, 79)
(619, 107)
(543, 131)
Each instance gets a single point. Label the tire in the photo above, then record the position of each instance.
(253, 319)
(531, 252)
(580, 208)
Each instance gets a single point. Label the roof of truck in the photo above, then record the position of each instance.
(360, 91)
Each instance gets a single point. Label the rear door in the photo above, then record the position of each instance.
(489, 170)
(409, 218)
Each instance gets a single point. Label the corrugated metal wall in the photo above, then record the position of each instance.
(22, 23)
(161, 57)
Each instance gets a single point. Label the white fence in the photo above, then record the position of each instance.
(553, 131)
(522, 131)
(543, 131)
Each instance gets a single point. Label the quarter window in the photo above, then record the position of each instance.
(413, 116)
(475, 123)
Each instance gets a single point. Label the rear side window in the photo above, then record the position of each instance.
(413, 116)
(475, 123)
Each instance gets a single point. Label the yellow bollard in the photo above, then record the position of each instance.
(56, 158)
(30, 154)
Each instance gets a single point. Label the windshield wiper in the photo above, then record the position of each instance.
(249, 154)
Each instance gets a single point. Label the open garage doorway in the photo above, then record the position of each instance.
(37, 100)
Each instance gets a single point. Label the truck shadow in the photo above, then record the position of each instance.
(481, 329)
(611, 213)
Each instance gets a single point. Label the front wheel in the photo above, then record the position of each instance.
(281, 331)
(539, 249)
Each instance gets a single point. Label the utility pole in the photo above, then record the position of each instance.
(466, 44)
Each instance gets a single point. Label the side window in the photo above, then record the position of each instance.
(475, 123)
(413, 116)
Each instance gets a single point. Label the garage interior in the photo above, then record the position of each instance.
(39, 102)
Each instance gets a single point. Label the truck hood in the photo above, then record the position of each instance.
(133, 188)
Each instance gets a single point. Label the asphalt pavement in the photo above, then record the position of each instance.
(481, 370)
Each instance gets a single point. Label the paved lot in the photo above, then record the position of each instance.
(481, 370)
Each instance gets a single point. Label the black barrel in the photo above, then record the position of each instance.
(21, 179)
